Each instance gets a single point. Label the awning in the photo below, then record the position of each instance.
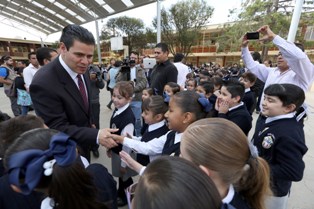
(51, 16)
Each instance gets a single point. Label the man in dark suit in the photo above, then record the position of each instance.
(60, 91)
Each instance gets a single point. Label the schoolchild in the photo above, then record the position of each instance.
(178, 183)
(185, 107)
(222, 151)
(191, 84)
(281, 141)
(170, 89)
(248, 79)
(124, 120)
(146, 93)
(230, 106)
(206, 88)
(204, 75)
(47, 160)
(9, 131)
(154, 109)
(217, 83)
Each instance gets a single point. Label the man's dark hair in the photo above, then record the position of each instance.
(5, 58)
(178, 57)
(74, 32)
(44, 53)
(30, 54)
(257, 57)
(163, 46)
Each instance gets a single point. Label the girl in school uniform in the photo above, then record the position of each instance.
(170, 89)
(191, 84)
(146, 93)
(185, 107)
(221, 149)
(47, 161)
(124, 120)
(178, 183)
(154, 109)
(281, 141)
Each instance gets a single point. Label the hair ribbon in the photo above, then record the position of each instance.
(29, 163)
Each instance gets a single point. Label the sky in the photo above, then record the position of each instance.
(146, 13)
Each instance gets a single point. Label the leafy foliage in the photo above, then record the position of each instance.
(131, 29)
(181, 25)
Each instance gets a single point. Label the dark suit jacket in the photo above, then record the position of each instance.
(57, 100)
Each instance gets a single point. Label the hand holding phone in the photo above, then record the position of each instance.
(252, 35)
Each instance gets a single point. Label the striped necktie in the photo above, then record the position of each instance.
(82, 91)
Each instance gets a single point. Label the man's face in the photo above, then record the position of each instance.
(33, 60)
(78, 57)
(135, 58)
(20, 64)
(160, 56)
(53, 55)
(9, 62)
(282, 64)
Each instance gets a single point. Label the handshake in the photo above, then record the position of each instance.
(109, 140)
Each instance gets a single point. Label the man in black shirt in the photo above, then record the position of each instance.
(164, 71)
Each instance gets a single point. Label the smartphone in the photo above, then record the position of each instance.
(252, 35)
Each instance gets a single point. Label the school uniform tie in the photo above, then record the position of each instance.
(82, 91)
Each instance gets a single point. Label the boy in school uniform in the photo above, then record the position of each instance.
(230, 106)
(281, 141)
(248, 79)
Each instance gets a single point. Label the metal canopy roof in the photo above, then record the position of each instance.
(51, 16)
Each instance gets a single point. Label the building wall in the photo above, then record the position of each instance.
(18, 49)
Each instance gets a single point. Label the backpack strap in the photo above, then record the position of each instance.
(8, 71)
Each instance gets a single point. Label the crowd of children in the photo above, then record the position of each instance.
(206, 124)
(254, 176)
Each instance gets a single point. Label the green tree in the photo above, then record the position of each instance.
(182, 24)
(255, 13)
(131, 29)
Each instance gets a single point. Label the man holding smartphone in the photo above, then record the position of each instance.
(293, 66)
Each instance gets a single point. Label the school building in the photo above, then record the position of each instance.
(18, 49)
(205, 51)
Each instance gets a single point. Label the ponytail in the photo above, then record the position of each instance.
(255, 183)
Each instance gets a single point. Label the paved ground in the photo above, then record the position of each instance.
(301, 193)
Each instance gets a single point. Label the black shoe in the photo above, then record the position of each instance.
(109, 106)
(121, 202)
(96, 153)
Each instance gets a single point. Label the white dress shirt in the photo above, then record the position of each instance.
(183, 70)
(28, 74)
(153, 147)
